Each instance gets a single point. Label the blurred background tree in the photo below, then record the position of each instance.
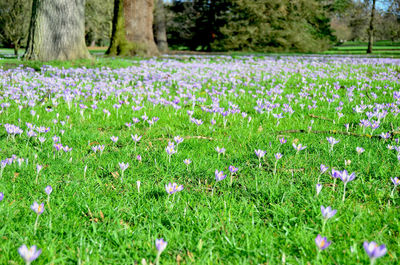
(275, 25)
(14, 24)
(98, 22)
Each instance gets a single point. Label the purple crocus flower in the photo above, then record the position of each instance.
(136, 138)
(58, 146)
(327, 212)
(114, 138)
(219, 175)
(123, 166)
(38, 168)
(48, 189)
(220, 150)
(374, 251)
(1, 196)
(278, 156)
(282, 140)
(161, 244)
(138, 185)
(318, 187)
(345, 177)
(260, 153)
(385, 135)
(187, 161)
(170, 149)
(233, 169)
(172, 188)
(178, 139)
(360, 150)
(396, 181)
(299, 147)
(30, 254)
(335, 173)
(67, 149)
(332, 141)
(323, 168)
(37, 208)
(321, 242)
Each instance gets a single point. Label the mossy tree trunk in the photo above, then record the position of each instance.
(132, 31)
(57, 31)
(160, 28)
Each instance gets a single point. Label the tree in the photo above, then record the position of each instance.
(160, 26)
(196, 24)
(275, 25)
(57, 31)
(371, 28)
(132, 31)
(13, 23)
(98, 22)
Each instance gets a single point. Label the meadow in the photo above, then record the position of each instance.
(230, 160)
(380, 48)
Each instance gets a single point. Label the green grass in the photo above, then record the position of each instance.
(112, 63)
(263, 217)
(380, 48)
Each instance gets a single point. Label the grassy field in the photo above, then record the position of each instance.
(382, 48)
(60, 128)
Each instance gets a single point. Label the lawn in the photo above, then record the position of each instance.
(108, 140)
(380, 48)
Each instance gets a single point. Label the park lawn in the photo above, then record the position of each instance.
(269, 213)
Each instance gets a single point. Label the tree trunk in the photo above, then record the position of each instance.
(132, 31)
(93, 43)
(16, 47)
(57, 31)
(159, 22)
(371, 28)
